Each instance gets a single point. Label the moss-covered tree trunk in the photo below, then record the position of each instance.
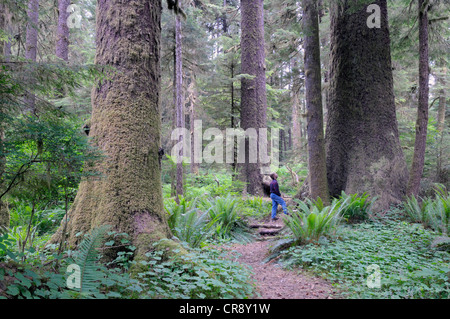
(362, 139)
(318, 184)
(441, 176)
(179, 103)
(126, 126)
(418, 161)
(253, 91)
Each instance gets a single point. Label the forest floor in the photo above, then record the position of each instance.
(274, 282)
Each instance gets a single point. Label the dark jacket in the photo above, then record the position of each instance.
(274, 188)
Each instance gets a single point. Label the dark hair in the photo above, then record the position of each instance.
(272, 176)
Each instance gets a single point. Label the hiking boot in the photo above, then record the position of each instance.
(274, 219)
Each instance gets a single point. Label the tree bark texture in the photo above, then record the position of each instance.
(362, 139)
(179, 103)
(253, 91)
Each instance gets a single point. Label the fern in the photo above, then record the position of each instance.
(86, 258)
(225, 219)
(313, 219)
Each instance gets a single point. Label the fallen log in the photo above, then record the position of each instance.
(269, 231)
(265, 226)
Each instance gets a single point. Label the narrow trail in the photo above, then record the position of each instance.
(272, 281)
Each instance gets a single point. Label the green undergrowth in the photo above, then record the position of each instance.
(398, 251)
(201, 273)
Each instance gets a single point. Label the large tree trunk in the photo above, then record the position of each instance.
(362, 140)
(126, 126)
(31, 46)
(422, 111)
(62, 31)
(253, 91)
(318, 184)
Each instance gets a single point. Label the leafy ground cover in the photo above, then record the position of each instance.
(398, 251)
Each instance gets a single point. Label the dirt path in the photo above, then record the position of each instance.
(273, 282)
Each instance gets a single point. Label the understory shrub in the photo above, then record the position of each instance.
(431, 212)
(187, 222)
(225, 219)
(357, 206)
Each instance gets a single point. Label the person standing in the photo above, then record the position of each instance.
(275, 195)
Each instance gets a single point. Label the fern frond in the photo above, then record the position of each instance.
(86, 258)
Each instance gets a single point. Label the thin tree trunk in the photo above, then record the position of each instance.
(192, 115)
(31, 46)
(253, 91)
(318, 184)
(3, 24)
(4, 214)
(296, 124)
(126, 127)
(173, 170)
(422, 110)
(224, 18)
(179, 102)
(62, 31)
(362, 140)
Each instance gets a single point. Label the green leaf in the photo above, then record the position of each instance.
(13, 290)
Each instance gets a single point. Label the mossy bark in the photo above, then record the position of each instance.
(362, 139)
(253, 91)
(126, 126)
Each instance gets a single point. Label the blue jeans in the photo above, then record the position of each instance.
(277, 200)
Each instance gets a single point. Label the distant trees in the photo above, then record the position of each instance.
(62, 31)
(362, 138)
(31, 45)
